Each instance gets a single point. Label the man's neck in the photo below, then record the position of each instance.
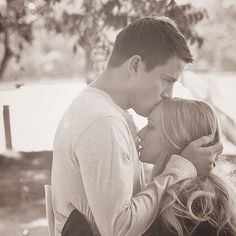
(115, 84)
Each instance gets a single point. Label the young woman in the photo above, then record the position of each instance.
(196, 206)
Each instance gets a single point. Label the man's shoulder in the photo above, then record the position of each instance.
(90, 105)
(87, 109)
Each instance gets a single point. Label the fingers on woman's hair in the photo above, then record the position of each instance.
(217, 148)
(203, 141)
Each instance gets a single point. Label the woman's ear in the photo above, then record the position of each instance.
(134, 64)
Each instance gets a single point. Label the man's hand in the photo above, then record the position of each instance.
(202, 155)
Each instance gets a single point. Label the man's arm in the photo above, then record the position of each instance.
(107, 170)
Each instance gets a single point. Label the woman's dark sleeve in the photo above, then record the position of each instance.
(76, 225)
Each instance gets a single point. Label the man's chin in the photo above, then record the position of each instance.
(143, 113)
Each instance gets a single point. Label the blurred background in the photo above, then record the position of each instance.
(50, 50)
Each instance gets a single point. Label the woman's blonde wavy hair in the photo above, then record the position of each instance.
(198, 206)
(194, 206)
(183, 121)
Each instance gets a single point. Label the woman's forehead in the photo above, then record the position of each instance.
(155, 114)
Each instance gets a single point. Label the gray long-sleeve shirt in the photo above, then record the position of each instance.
(96, 169)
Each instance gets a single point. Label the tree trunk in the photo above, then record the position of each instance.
(89, 67)
(7, 126)
(7, 54)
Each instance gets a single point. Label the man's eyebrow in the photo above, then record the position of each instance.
(170, 78)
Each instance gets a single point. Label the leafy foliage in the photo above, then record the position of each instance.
(94, 24)
(16, 27)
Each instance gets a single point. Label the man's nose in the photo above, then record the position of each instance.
(168, 92)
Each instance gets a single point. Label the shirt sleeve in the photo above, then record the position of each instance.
(107, 170)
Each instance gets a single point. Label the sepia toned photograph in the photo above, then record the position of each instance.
(117, 118)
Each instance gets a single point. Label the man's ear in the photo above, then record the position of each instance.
(134, 64)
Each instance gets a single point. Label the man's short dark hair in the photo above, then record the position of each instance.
(154, 39)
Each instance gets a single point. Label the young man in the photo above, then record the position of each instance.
(96, 167)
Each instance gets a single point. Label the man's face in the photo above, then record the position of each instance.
(149, 88)
(152, 139)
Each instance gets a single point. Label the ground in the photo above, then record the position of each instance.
(22, 202)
